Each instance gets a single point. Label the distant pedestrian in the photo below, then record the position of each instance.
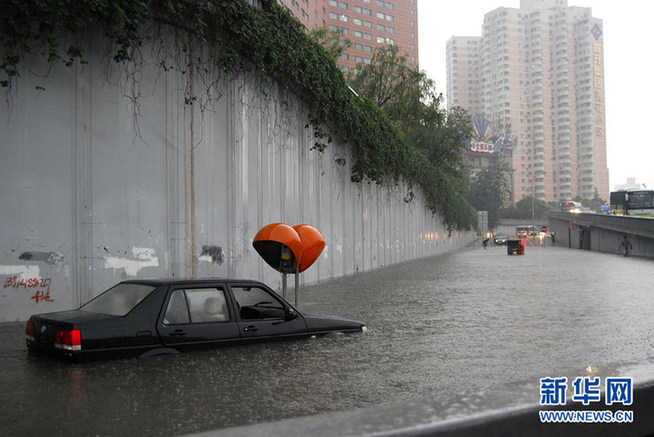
(485, 242)
(553, 238)
(625, 246)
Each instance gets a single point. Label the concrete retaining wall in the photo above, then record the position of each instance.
(603, 233)
(114, 172)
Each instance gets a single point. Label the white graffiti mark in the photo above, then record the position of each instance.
(144, 258)
(142, 253)
(23, 272)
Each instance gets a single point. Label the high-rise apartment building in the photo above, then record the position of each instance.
(537, 74)
(366, 23)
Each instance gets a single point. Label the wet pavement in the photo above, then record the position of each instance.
(437, 326)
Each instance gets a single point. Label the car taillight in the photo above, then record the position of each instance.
(29, 331)
(69, 340)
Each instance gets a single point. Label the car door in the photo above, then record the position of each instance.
(262, 314)
(196, 317)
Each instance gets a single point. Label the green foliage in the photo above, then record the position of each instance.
(523, 209)
(395, 87)
(409, 100)
(490, 189)
(237, 37)
(333, 40)
(594, 204)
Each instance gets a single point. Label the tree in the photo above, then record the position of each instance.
(594, 204)
(444, 141)
(489, 190)
(409, 99)
(404, 93)
(524, 207)
(332, 40)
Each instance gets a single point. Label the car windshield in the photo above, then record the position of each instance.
(118, 300)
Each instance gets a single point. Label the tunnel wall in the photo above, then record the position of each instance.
(603, 233)
(113, 172)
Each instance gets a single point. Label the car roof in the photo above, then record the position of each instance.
(177, 281)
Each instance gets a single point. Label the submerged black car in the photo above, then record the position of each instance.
(150, 317)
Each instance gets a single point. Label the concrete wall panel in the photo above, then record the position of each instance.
(111, 174)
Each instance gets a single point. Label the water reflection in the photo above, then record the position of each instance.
(436, 326)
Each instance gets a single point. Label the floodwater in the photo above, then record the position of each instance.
(437, 326)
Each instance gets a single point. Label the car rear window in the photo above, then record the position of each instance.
(118, 300)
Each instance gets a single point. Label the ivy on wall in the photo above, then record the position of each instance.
(238, 37)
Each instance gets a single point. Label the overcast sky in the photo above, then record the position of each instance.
(628, 69)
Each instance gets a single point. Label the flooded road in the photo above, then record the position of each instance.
(469, 320)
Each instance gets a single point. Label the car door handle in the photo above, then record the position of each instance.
(177, 333)
(250, 328)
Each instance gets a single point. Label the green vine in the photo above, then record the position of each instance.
(240, 37)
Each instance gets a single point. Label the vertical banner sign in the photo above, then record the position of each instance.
(598, 80)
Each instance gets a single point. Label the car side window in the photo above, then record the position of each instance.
(197, 305)
(255, 303)
(177, 311)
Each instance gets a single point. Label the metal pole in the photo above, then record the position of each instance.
(284, 285)
(297, 286)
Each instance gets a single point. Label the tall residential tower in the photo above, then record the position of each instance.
(537, 75)
(366, 23)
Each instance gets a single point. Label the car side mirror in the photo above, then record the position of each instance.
(291, 314)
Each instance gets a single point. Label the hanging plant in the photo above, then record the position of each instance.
(238, 37)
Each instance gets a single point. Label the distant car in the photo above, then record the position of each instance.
(500, 240)
(150, 317)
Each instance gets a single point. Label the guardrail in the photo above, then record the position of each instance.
(508, 410)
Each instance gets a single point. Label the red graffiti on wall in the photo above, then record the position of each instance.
(18, 282)
(41, 287)
(42, 296)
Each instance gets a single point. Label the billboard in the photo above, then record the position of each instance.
(485, 139)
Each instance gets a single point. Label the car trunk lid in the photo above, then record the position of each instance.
(60, 330)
